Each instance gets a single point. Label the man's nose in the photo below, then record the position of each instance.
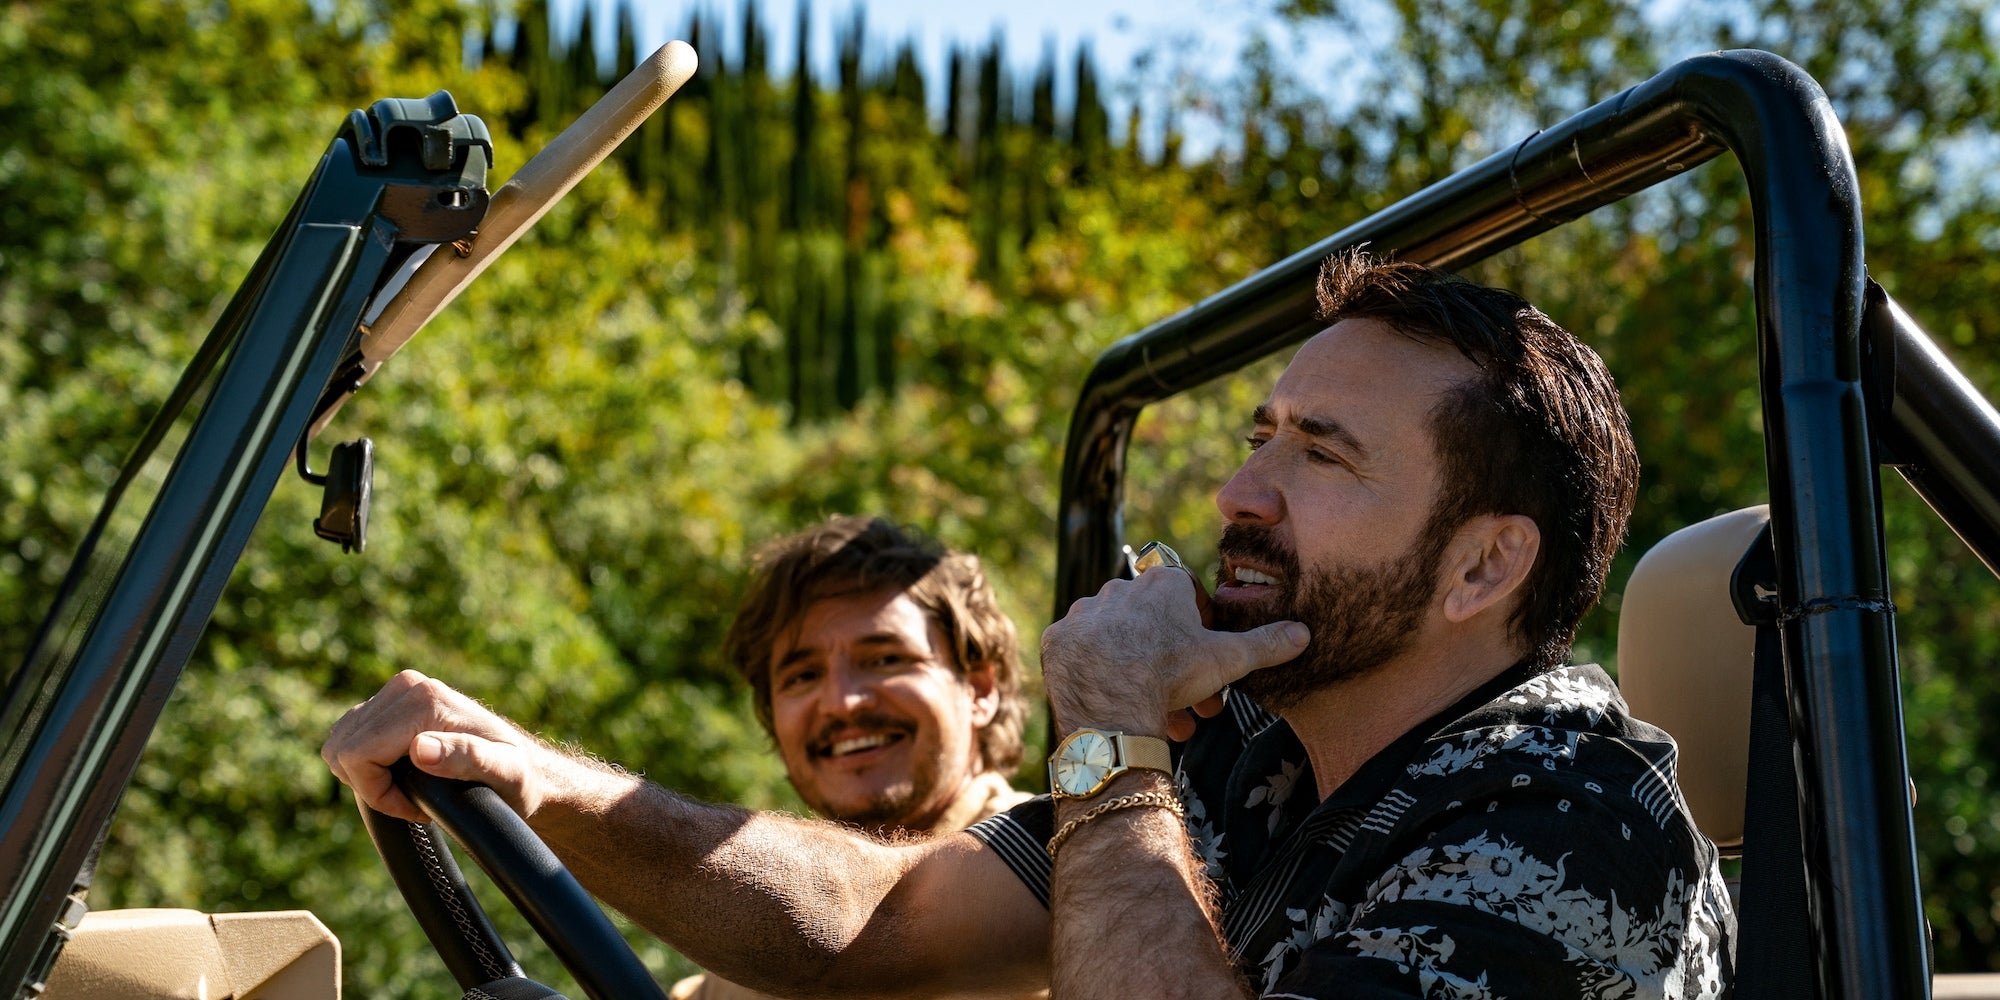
(848, 688)
(1251, 496)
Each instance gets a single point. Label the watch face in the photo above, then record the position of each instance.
(1082, 762)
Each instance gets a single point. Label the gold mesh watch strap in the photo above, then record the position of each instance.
(1145, 751)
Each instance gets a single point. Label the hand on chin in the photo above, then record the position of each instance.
(1137, 651)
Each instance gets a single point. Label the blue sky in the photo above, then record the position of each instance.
(1118, 29)
(1199, 35)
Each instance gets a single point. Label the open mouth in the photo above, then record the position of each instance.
(1246, 580)
(1256, 565)
(850, 746)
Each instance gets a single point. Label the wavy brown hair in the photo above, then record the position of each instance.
(857, 555)
(1539, 432)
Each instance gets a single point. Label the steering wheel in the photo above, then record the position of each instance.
(526, 870)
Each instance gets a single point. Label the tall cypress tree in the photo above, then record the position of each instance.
(552, 87)
(801, 214)
(697, 36)
(848, 369)
(721, 180)
(628, 42)
(1090, 123)
(1170, 148)
(584, 80)
(1042, 113)
(801, 194)
(759, 209)
(1037, 208)
(640, 152)
(528, 56)
(907, 81)
(910, 117)
(692, 105)
(989, 158)
(490, 52)
(958, 127)
(1135, 156)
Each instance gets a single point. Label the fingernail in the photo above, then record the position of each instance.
(1297, 633)
(428, 750)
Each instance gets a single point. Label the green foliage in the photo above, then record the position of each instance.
(791, 300)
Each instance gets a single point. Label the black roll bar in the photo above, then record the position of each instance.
(1837, 622)
(1938, 431)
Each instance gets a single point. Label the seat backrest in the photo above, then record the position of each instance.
(1685, 662)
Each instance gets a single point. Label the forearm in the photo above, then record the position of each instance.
(777, 904)
(1131, 906)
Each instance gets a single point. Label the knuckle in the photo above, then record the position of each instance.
(1066, 631)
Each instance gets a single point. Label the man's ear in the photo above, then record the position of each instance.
(985, 687)
(1489, 560)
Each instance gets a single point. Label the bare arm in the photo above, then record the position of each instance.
(1132, 910)
(784, 905)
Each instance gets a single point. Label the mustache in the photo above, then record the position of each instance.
(1259, 544)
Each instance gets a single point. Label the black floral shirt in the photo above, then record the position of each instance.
(1528, 842)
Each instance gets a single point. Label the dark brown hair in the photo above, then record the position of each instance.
(860, 555)
(1539, 432)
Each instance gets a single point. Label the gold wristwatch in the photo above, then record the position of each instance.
(1086, 760)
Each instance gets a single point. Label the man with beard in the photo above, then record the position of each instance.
(888, 678)
(1438, 807)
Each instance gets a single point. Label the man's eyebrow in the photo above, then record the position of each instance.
(882, 639)
(872, 641)
(1319, 427)
(794, 655)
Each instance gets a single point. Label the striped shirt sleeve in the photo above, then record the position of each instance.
(1020, 837)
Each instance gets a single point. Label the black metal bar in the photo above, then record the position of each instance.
(278, 345)
(82, 756)
(1837, 623)
(1839, 631)
(128, 615)
(1940, 433)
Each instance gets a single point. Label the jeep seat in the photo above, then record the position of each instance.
(187, 955)
(1685, 662)
(1685, 659)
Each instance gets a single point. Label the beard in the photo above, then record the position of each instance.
(1360, 616)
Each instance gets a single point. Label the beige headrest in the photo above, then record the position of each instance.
(186, 955)
(1684, 661)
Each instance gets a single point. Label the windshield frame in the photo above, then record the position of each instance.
(128, 616)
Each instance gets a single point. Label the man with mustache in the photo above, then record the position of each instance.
(1397, 787)
(889, 679)
(1441, 807)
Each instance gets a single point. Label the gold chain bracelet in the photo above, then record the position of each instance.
(1162, 800)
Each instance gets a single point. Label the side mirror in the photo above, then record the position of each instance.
(349, 480)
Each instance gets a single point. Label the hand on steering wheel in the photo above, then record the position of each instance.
(543, 890)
